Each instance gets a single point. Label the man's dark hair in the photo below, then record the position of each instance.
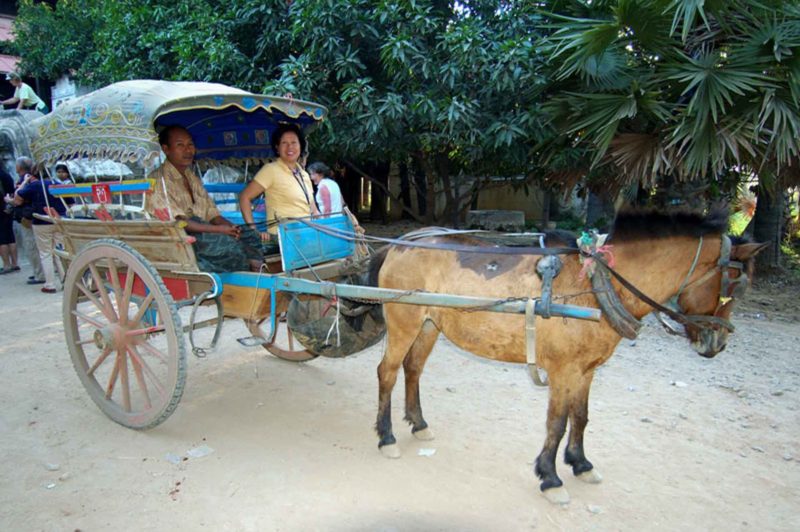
(164, 134)
(286, 128)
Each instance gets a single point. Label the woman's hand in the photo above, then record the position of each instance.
(266, 237)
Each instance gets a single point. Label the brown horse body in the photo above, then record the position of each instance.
(654, 252)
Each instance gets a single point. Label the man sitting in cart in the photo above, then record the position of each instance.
(179, 194)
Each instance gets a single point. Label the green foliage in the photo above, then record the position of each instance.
(688, 88)
(53, 42)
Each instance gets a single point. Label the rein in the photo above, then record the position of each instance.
(625, 324)
(692, 321)
(406, 242)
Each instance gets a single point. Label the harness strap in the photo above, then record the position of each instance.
(530, 344)
(505, 250)
(683, 319)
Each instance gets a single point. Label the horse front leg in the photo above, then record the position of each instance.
(557, 411)
(412, 369)
(578, 418)
(387, 376)
(401, 331)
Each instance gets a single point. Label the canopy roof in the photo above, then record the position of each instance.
(121, 121)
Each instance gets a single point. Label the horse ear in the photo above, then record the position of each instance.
(743, 252)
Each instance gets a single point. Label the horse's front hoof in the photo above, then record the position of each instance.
(557, 495)
(425, 434)
(590, 477)
(390, 451)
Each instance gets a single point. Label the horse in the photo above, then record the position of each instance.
(684, 256)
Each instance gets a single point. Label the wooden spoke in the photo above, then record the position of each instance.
(138, 372)
(114, 274)
(99, 361)
(112, 379)
(147, 370)
(145, 330)
(84, 342)
(87, 319)
(155, 352)
(91, 297)
(101, 287)
(143, 308)
(126, 296)
(123, 379)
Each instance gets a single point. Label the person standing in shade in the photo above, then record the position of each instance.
(8, 246)
(286, 186)
(37, 194)
(24, 96)
(329, 196)
(23, 220)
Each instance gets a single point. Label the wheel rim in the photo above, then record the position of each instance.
(124, 334)
(284, 344)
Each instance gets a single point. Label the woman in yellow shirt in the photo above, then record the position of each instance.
(285, 184)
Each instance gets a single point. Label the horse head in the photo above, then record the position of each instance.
(710, 301)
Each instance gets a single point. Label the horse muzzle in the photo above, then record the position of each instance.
(710, 342)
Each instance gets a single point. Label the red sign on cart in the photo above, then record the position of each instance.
(101, 193)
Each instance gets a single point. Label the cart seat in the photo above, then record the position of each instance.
(90, 199)
(306, 242)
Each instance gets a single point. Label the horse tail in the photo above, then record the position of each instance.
(375, 265)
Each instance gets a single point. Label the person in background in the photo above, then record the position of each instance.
(329, 196)
(8, 246)
(220, 246)
(63, 175)
(286, 186)
(23, 221)
(24, 96)
(36, 192)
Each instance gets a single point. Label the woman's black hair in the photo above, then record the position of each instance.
(286, 128)
(319, 168)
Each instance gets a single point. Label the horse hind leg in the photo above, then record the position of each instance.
(557, 412)
(403, 326)
(578, 418)
(412, 368)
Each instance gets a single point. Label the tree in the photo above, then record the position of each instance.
(456, 86)
(681, 89)
(51, 41)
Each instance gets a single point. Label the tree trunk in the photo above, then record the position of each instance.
(768, 226)
(420, 186)
(405, 189)
(378, 208)
(351, 189)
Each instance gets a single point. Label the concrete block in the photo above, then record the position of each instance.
(496, 220)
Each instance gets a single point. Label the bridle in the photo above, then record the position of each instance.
(730, 289)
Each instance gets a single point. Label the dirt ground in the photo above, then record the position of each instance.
(682, 442)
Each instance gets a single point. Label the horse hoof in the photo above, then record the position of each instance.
(590, 477)
(391, 451)
(425, 434)
(557, 495)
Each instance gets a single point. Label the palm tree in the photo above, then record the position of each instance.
(677, 91)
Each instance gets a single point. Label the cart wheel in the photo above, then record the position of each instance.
(283, 346)
(124, 334)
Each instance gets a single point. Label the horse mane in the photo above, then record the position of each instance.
(375, 263)
(645, 224)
